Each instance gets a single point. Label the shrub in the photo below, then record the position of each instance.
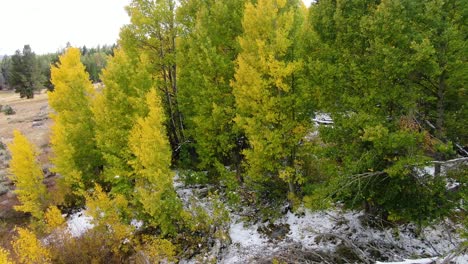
(8, 110)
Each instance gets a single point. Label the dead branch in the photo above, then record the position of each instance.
(349, 243)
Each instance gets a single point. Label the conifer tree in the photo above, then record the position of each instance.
(76, 157)
(25, 75)
(27, 175)
(208, 50)
(154, 189)
(422, 50)
(362, 69)
(267, 93)
(126, 82)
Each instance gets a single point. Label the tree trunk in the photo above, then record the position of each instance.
(440, 123)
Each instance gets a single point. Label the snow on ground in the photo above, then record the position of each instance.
(246, 240)
(411, 261)
(322, 119)
(309, 229)
(79, 223)
(325, 231)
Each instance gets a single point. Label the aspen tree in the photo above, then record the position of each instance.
(76, 157)
(29, 249)
(267, 93)
(153, 176)
(27, 175)
(126, 82)
(206, 69)
(5, 256)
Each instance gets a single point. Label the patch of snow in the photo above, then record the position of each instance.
(430, 170)
(322, 119)
(411, 261)
(79, 223)
(246, 242)
(136, 223)
(245, 236)
(304, 229)
(427, 170)
(461, 259)
(451, 184)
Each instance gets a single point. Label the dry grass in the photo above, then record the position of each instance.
(27, 111)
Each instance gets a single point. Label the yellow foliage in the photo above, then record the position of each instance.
(149, 143)
(5, 257)
(107, 213)
(158, 250)
(29, 249)
(153, 176)
(53, 218)
(267, 96)
(72, 136)
(27, 176)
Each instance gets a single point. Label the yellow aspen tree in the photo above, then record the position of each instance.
(153, 177)
(53, 218)
(29, 249)
(267, 92)
(27, 175)
(5, 256)
(76, 157)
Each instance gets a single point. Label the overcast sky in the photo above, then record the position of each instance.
(47, 25)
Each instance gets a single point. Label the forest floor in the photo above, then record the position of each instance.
(331, 236)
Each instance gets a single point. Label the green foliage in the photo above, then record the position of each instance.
(45, 61)
(126, 82)
(208, 49)
(152, 34)
(5, 69)
(73, 138)
(191, 177)
(382, 82)
(204, 224)
(7, 110)
(24, 73)
(95, 60)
